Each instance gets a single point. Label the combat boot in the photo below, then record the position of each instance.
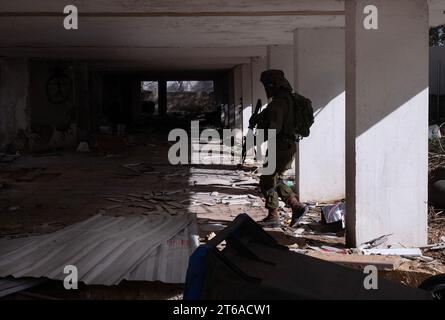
(272, 220)
(298, 211)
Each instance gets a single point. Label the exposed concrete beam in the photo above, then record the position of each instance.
(178, 14)
(172, 5)
(133, 52)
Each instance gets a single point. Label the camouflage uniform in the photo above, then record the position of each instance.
(278, 115)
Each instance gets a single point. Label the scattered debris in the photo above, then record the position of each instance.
(436, 156)
(437, 247)
(434, 132)
(83, 147)
(7, 158)
(211, 236)
(404, 252)
(244, 182)
(212, 227)
(208, 182)
(426, 259)
(334, 213)
(138, 168)
(299, 231)
(333, 249)
(359, 261)
(375, 242)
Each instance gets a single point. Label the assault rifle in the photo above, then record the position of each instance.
(252, 125)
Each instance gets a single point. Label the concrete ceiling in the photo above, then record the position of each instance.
(132, 30)
(167, 23)
(437, 8)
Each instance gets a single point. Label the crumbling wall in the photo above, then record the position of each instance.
(44, 111)
(14, 108)
(58, 99)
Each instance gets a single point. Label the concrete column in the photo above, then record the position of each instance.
(246, 70)
(238, 100)
(282, 57)
(387, 122)
(162, 97)
(320, 76)
(14, 110)
(218, 90)
(238, 95)
(259, 64)
(230, 111)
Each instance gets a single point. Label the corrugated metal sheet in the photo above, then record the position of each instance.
(10, 285)
(107, 250)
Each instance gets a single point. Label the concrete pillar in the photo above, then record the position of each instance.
(238, 100)
(282, 57)
(14, 110)
(238, 95)
(259, 64)
(162, 97)
(218, 91)
(246, 70)
(230, 110)
(387, 122)
(320, 76)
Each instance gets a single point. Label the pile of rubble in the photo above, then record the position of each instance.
(176, 202)
(8, 158)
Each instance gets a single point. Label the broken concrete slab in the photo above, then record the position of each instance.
(408, 252)
(359, 261)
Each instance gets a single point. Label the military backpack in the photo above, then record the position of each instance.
(303, 115)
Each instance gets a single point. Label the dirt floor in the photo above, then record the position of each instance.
(43, 193)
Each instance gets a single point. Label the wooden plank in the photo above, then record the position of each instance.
(359, 261)
(409, 252)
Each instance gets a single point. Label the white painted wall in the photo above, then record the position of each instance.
(246, 70)
(387, 122)
(238, 96)
(259, 64)
(281, 57)
(320, 76)
(14, 112)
